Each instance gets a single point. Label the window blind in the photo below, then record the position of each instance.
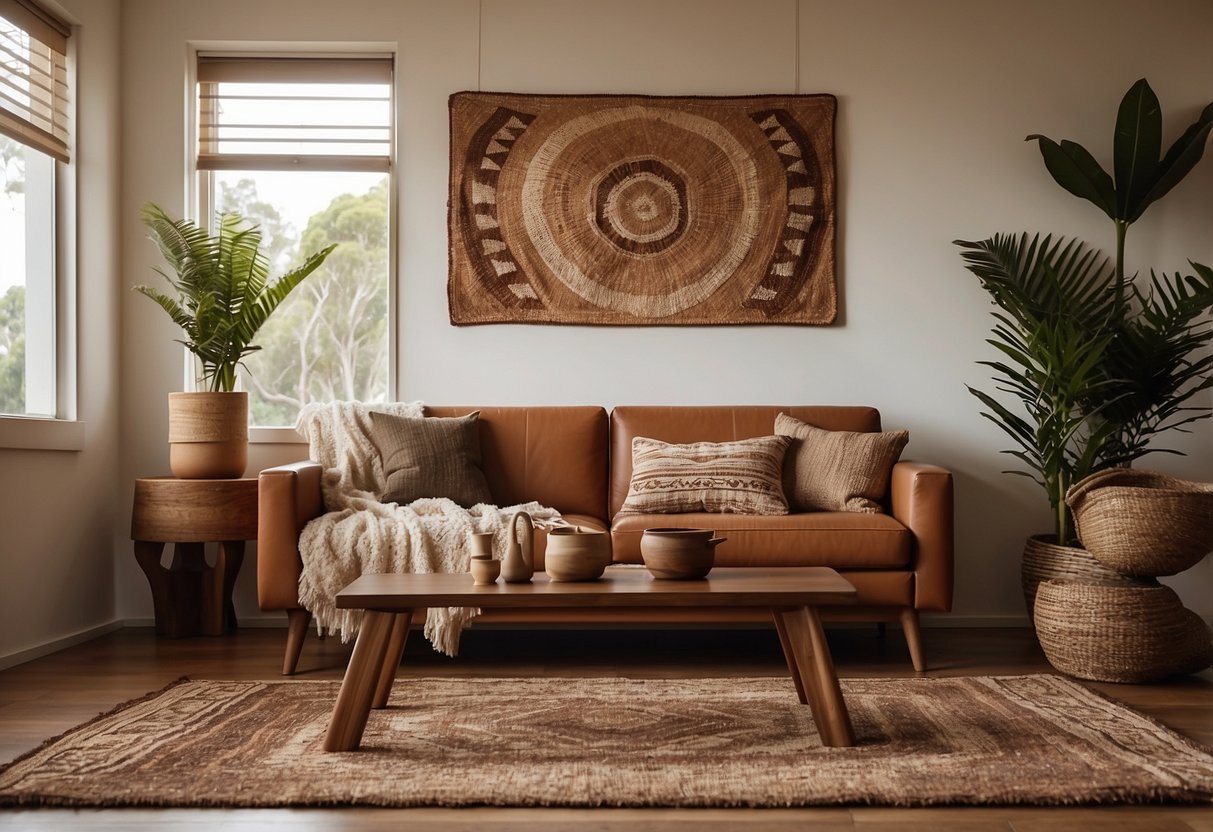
(302, 113)
(33, 77)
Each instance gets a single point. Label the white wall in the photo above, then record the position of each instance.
(57, 508)
(934, 101)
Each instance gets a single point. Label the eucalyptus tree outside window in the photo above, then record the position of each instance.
(34, 151)
(302, 146)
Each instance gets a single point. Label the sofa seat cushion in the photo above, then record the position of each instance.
(840, 539)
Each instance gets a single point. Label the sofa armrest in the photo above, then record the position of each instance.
(922, 501)
(288, 496)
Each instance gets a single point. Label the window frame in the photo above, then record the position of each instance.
(63, 431)
(201, 187)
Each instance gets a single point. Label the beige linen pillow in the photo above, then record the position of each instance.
(837, 470)
(742, 477)
(430, 457)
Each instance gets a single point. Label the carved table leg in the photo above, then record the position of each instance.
(218, 611)
(175, 591)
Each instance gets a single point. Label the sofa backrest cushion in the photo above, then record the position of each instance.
(556, 456)
(723, 423)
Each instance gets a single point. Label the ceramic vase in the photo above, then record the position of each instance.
(519, 563)
(576, 554)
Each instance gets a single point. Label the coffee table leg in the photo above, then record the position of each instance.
(790, 656)
(816, 667)
(392, 657)
(353, 706)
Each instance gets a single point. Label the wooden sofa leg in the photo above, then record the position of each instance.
(297, 621)
(909, 625)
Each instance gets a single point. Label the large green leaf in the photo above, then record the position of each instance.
(1140, 177)
(1178, 162)
(1136, 146)
(1076, 170)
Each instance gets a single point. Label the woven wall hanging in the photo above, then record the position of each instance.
(641, 210)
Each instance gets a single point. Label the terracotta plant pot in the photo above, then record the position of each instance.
(208, 435)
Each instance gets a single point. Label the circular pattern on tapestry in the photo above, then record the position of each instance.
(651, 230)
(641, 206)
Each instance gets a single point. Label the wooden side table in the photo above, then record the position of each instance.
(191, 597)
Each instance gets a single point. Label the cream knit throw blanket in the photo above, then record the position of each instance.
(360, 535)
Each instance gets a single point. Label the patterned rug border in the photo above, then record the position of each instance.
(1154, 796)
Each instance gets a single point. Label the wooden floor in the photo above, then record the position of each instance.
(45, 697)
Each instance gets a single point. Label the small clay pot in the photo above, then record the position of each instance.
(576, 554)
(485, 571)
(679, 554)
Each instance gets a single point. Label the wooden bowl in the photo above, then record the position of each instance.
(679, 554)
(576, 554)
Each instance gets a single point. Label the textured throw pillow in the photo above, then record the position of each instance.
(837, 470)
(742, 477)
(430, 457)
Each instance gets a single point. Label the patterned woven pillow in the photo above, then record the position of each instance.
(837, 470)
(430, 457)
(742, 477)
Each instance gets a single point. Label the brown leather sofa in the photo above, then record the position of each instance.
(579, 462)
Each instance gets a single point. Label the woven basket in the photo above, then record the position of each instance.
(1120, 634)
(1045, 560)
(1143, 522)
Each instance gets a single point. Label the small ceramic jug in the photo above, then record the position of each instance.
(519, 563)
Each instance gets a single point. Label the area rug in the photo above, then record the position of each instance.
(641, 210)
(1038, 740)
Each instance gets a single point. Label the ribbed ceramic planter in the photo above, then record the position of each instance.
(208, 435)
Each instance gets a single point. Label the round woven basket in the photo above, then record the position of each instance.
(1143, 522)
(1046, 560)
(1120, 634)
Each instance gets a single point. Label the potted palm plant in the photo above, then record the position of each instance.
(1098, 363)
(223, 296)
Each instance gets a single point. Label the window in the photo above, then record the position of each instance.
(302, 146)
(34, 146)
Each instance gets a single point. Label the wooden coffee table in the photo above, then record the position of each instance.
(791, 593)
